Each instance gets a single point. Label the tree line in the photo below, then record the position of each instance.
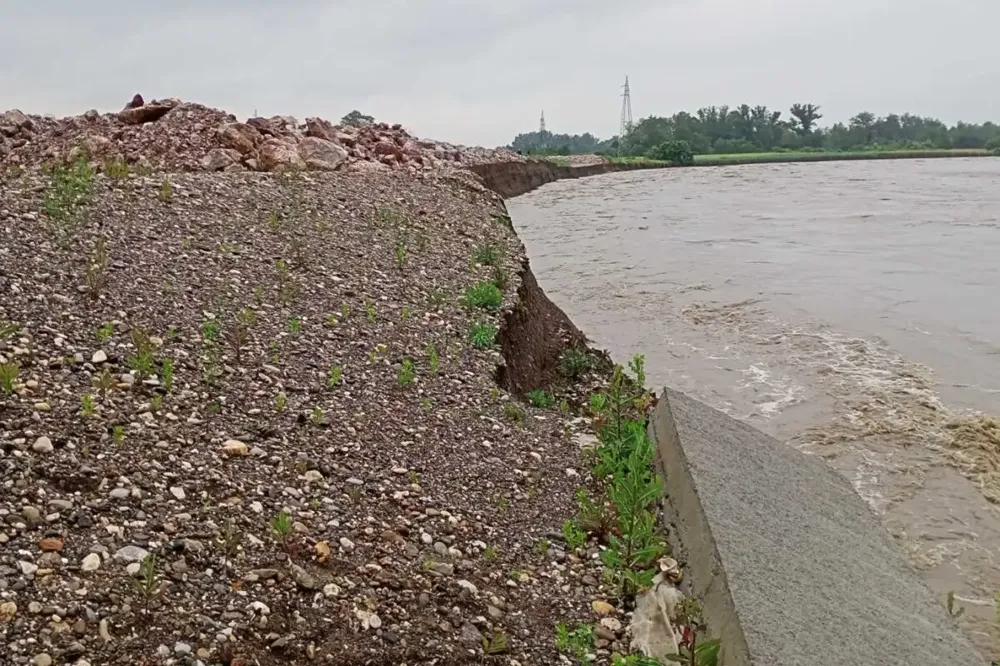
(754, 129)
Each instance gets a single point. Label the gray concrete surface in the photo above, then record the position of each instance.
(792, 567)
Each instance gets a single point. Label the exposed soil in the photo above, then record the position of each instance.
(322, 367)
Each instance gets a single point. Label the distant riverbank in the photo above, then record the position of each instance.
(716, 159)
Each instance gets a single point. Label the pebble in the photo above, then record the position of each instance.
(303, 578)
(99, 357)
(42, 445)
(235, 447)
(346, 544)
(602, 607)
(131, 554)
(120, 493)
(8, 610)
(466, 585)
(178, 492)
(91, 562)
(182, 648)
(42, 659)
(27, 568)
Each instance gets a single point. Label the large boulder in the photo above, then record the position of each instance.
(320, 128)
(321, 154)
(147, 113)
(239, 136)
(278, 155)
(218, 159)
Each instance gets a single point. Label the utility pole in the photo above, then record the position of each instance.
(626, 119)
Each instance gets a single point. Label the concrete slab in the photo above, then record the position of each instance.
(792, 567)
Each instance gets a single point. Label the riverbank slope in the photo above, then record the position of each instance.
(249, 401)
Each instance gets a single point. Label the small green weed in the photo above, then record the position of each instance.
(333, 378)
(142, 360)
(166, 193)
(486, 254)
(8, 376)
(573, 534)
(167, 374)
(87, 407)
(118, 434)
(514, 412)
(406, 373)
(484, 295)
(280, 402)
(294, 325)
(576, 643)
(281, 526)
(104, 333)
(483, 335)
(496, 643)
(433, 360)
(574, 362)
(539, 398)
(116, 169)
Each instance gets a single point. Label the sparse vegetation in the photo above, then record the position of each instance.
(433, 360)
(282, 528)
(576, 643)
(87, 407)
(333, 377)
(486, 254)
(514, 412)
(96, 278)
(166, 194)
(68, 199)
(141, 361)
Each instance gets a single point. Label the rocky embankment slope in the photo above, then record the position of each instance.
(254, 418)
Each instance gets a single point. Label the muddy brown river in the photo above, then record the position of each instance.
(850, 309)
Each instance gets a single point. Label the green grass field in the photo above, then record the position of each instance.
(763, 158)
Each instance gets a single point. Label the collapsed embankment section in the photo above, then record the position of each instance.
(511, 179)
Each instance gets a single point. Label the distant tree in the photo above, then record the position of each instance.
(355, 117)
(675, 152)
(804, 117)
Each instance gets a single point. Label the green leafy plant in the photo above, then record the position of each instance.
(118, 434)
(514, 412)
(406, 373)
(8, 376)
(490, 553)
(211, 329)
(156, 403)
(96, 275)
(116, 169)
(280, 402)
(333, 378)
(483, 295)
(7, 329)
(500, 277)
(539, 398)
(166, 193)
(574, 362)
(167, 374)
(370, 311)
(486, 254)
(433, 360)
(576, 643)
(573, 534)
(87, 407)
(148, 582)
(142, 360)
(294, 325)
(238, 332)
(483, 335)
(317, 416)
(104, 333)
(400, 253)
(435, 299)
(692, 651)
(68, 199)
(281, 526)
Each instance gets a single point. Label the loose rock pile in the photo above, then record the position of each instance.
(181, 136)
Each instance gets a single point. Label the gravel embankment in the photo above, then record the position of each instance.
(301, 316)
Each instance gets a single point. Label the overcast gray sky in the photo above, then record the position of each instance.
(480, 71)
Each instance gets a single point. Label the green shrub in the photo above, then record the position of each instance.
(675, 152)
(484, 295)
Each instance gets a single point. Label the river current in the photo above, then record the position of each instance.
(850, 309)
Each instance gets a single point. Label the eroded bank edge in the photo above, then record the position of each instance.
(623, 509)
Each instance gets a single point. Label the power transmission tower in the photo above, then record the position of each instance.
(626, 120)
(541, 124)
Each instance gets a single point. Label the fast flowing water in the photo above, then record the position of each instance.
(851, 309)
